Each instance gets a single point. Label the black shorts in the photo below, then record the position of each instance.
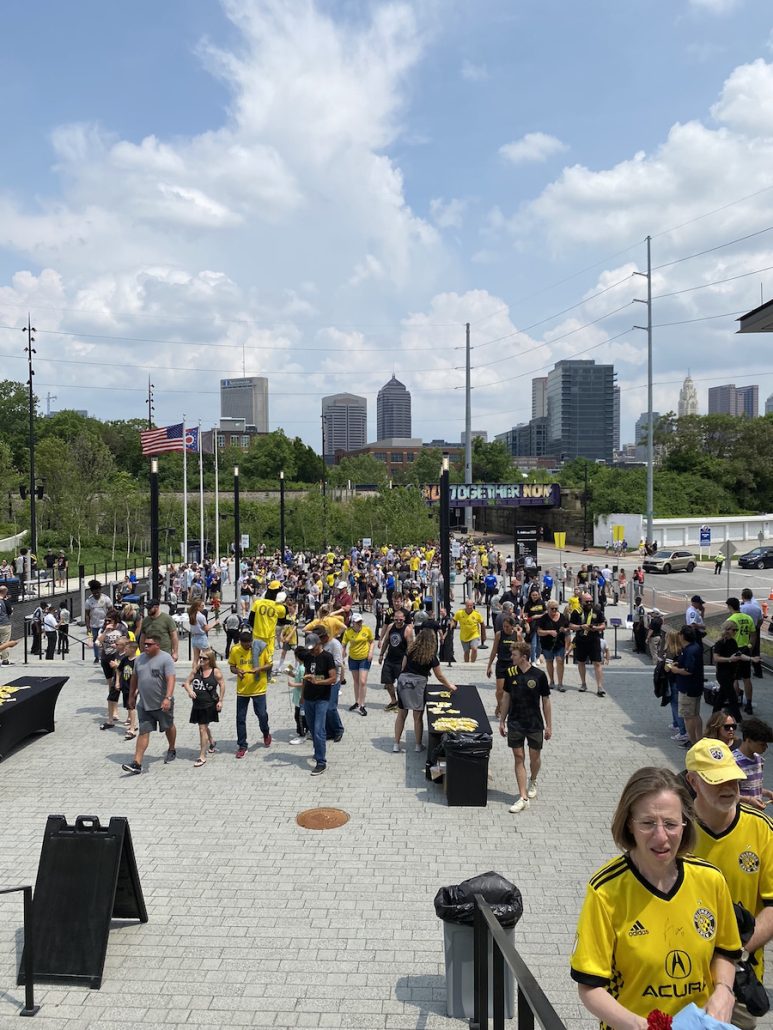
(516, 735)
(587, 649)
(390, 671)
(500, 669)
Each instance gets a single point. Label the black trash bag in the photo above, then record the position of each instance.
(456, 904)
(473, 745)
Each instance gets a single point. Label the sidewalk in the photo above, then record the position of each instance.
(257, 922)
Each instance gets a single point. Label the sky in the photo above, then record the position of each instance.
(325, 192)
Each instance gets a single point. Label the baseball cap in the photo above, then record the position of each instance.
(420, 618)
(274, 584)
(356, 617)
(153, 602)
(341, 585)
(697, 599)
(655, 611)
(312, 640)
(281, 596)
(245, 634)
(713, 762)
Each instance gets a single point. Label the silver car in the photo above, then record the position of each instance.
(666, 560)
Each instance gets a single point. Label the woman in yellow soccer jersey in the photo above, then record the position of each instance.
(657, 928)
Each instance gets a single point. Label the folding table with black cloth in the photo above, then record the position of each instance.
(27, 706)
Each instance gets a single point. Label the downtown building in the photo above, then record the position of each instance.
(393, 411)
(734, 400)
(247, 400)
(344, 424)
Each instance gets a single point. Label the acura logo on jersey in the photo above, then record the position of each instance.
(705, 923)
(749, 861)
(678, 965)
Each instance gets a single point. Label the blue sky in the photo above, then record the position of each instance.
(334, 188)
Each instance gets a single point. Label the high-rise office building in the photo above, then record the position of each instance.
(247, 399)
(616, 418)
(640, 433)
(732, 400)
(393, 411)
(538, 386)
(581, 410)
(688, 399)
(769, 405)
(344, 424)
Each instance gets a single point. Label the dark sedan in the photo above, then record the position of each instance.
(759, 558)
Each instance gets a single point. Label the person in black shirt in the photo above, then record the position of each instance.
(553, 630)
(533, 610)
(727, 656)
(420, 659)
(320, 676)
(588, 625)
(393, 644)
(509, 633)
(525, 688)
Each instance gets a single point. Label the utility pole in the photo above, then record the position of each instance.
(468, 516)
(445, 535)
(650, 420)
(149, 402)
(29, 329)
(324, 485)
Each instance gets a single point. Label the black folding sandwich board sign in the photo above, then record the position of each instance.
(87, 876)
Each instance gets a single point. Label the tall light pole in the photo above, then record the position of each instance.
(445, 535)
(282, 513)
(468, 517)
(237, 535)
(650, 420)
(29, 329)
(154, 562)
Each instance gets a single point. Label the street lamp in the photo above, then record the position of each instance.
(237, 535)
(282, 514)
(154, 562)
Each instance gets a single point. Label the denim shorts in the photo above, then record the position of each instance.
(355, 664)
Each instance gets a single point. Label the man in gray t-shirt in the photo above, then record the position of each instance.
(152, 690)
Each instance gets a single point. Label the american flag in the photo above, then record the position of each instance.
(169, 438)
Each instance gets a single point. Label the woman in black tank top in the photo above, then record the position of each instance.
(205, 687)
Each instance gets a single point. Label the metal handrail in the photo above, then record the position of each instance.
(531, 1001)
(30, 1008)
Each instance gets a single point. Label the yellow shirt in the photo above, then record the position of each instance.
(358, 642)
(333, 626)
(251, 683)
(415, 563)
(469, 624)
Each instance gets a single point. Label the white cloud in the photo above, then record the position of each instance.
(447, 214)
(534, 146)
(474, 72)
(746, 102)
(715, 6)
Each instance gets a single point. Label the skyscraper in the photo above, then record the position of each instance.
(344, 423)
(640, 433)
(769, 405)
(616, 425)
(247, 399)
(581, 410)
(538, 386)
(393, 411)
(732, 400)
(688, 399)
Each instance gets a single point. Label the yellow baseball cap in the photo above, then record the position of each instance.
(713, 762)
(274, 584)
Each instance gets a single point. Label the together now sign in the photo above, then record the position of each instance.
(497, 494)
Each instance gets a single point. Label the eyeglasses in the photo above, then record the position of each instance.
(150, 643)
(650, 825)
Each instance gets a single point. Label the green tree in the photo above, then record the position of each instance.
(425, 468)
(14, 403)
(363, 469)
(491, 462)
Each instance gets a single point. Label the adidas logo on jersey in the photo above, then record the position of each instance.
(637, 930)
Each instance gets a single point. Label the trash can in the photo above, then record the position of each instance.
(467, 756)
(456, 907)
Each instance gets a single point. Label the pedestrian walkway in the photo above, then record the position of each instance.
(257, 922)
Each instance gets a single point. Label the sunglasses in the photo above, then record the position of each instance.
(730, 726)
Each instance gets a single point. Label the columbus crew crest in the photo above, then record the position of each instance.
(705, 923)
(749, 861)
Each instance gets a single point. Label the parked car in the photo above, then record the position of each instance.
(758, 558)
(665, 560)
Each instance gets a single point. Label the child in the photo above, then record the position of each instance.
(748, 755)
(127, 652)
(295, 675)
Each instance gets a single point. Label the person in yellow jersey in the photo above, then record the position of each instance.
(263, 617)
(738, 840)
(332, 623)
(657, 928)
(251, 685)
(359, 641)
(470, 624)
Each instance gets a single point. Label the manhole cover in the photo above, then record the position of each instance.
(322, 818)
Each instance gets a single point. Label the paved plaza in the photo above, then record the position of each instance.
(257, 922)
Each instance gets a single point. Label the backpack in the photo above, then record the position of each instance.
(661, 686)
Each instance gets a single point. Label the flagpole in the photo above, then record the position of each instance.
(201, 496)
(185, 496)
(217, 500)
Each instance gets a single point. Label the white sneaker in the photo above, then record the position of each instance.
(519, 805)
(531, 789)
(418, 748)
(299, 740)
(395, 749)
